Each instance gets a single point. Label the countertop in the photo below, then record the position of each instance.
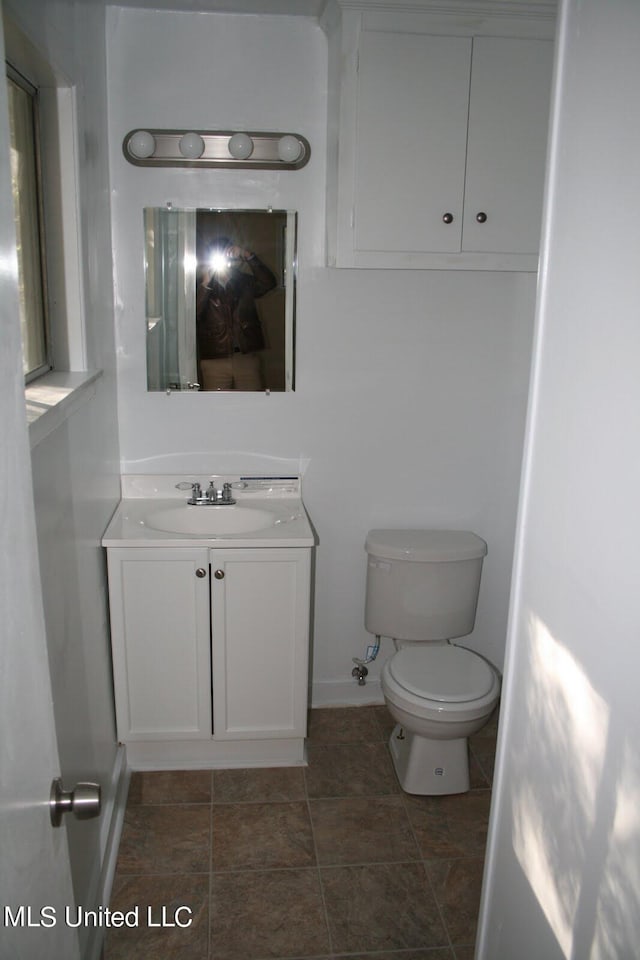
(128, 526)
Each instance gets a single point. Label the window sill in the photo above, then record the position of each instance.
(52, 399)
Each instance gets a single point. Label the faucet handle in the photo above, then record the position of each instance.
(226, 493)
(196, 491)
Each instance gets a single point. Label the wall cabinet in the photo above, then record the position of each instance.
(441, 135)
(210, 654)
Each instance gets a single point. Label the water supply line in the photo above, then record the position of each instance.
(360, 671)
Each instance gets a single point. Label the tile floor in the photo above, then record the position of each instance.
(331, 860)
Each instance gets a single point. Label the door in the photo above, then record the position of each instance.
(413, 100)
(260, 642)
(508, 118)
(159, 600)
(34, 868)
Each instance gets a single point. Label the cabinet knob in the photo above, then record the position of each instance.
(219, 574)
(201, 572)
(481, 217)
(447, 218)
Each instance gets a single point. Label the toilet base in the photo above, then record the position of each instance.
(429, 767)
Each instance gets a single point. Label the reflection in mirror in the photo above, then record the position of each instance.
(220, 299)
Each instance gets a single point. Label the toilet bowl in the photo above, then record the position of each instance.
(438, 696)
(422, 591)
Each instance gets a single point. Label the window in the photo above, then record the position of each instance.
(27, 198)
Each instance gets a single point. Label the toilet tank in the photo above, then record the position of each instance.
(422, 584)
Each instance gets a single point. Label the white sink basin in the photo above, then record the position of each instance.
(210, 521)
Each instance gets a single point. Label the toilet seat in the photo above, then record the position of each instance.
(445, 673)
(406, 694)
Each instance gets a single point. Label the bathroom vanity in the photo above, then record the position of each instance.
(210, 611)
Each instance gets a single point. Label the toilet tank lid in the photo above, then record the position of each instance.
(426, 546)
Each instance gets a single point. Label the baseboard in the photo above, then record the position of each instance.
(345, 693)
(115, 801)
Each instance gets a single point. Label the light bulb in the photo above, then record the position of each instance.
(240, 146)
(289, 148)
(142, 144)
(191, 146)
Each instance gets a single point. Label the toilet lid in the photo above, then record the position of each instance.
(446, 673)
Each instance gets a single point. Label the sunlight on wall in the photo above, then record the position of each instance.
(554, 803)
(616, 921)
(43, 396)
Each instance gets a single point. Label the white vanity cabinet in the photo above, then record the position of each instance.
(210, 654)
(259, 649)
(160, 640)
(440, 128)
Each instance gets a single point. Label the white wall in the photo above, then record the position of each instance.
(563, 874)
(76, 467)
(411, 386)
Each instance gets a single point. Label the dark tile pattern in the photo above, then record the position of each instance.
(381, 906)
(359, 829)
(349, 770)
(180, 900)
(145, 847)
(278, 913)
(328, 861)
(260, 835)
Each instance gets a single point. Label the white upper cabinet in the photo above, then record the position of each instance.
(506, 144)
(439, 140)
(411, 133)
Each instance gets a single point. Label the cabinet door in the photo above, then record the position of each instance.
(506, 150)
(411, 129)
(260, 642)
(160, 640)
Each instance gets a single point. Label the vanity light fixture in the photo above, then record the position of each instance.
(216, 148)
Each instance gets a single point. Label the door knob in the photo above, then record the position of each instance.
(219, 574)
(447, 218)
(481, 217)
(84, 801)
(201, 572)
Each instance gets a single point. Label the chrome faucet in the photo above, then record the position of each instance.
(212, 497)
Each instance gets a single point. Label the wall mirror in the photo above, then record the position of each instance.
(220, 299)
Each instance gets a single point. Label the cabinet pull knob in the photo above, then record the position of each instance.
(219, 574)
(481, 217)
(447, 218)
(201, 572)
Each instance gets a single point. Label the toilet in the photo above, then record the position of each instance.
(422, 591)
